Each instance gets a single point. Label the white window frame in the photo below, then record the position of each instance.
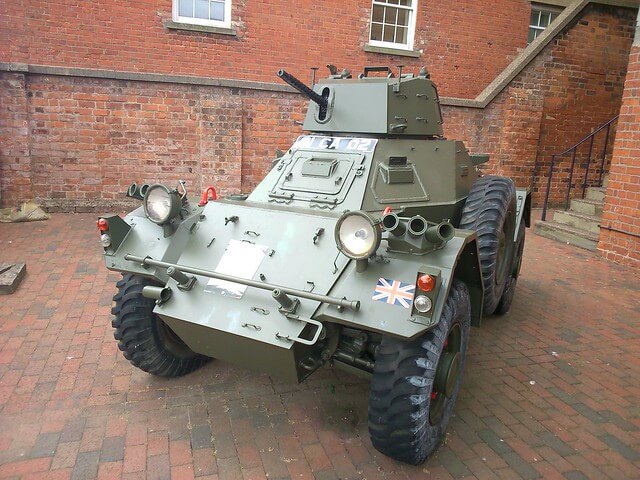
(411, 30)
(542, 8)
(226, 23)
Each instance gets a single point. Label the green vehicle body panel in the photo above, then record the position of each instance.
(378, 146)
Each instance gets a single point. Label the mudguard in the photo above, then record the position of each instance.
(523, 208)
(136, 234)
(458, 259)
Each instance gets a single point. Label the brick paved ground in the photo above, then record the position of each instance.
(551, 391)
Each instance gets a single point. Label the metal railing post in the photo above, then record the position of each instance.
(546, 196)
(586, 173)
(604, 154)
(573, 162)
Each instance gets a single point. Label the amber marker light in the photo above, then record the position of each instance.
(426, 283)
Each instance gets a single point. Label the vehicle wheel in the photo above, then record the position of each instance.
(415, 384)
(145, 340)
(510, 289)
(490, 210)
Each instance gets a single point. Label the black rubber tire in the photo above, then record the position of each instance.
(490, 210)
(144, 339)
(402, 383)
(510, 289)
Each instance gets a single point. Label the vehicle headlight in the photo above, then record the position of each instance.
(357, 235)
(161, 204)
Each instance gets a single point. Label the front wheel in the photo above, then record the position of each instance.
(415, 384)
(144, 339)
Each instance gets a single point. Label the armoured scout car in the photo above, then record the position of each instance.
(373, 244)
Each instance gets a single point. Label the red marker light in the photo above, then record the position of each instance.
(386, 210)
(103, 225)
(426, 283)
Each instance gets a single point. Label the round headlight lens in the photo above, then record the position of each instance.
(161, 204)
(422, 303)
(357, 235)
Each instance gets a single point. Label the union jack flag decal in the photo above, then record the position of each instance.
(394, 292)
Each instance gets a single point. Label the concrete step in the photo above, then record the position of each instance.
(596, 193)
(566, 234)
(590, 223)
(589, 207)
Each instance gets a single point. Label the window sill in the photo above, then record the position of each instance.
(392, 51)
(171, 25)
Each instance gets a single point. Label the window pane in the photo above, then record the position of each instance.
(202, 9)
(376, 31)
(532, 35)
(388, 33)
(217, 11)
(544, 19)
(401, 35)
(535, 15)
(403, 17)
(390, 15)
(406, 3)
(378, 12)
(185, 8)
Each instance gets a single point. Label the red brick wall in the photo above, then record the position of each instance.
(81, 141)
(15, 164)
(574, 85)
(583, 89)
(507, 129)
(268, 124)
(91, 138)
(466, 43)
(622, 201)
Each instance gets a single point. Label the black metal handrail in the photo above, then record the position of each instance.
(574, 149)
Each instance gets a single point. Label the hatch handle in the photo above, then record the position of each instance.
(304, 341)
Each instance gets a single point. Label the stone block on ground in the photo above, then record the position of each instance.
(11, 274)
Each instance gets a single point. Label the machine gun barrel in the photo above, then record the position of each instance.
(302, 88)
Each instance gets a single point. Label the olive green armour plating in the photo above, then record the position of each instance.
(378, 144)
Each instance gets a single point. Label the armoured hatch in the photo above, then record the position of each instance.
(321, 170)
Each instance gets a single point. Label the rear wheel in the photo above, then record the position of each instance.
(144, 339)
(490, 210)
(415, 384)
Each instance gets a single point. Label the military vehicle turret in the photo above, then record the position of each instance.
(373, 245)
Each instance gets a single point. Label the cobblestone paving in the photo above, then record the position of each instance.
(550, 391)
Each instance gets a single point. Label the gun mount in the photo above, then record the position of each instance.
(320, 100)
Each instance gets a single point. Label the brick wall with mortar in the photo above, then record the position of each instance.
(15, 164)
(466, 43)
(583, 90)
(88, 137)
(91, 138)
(622, 201)
(574, 85)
